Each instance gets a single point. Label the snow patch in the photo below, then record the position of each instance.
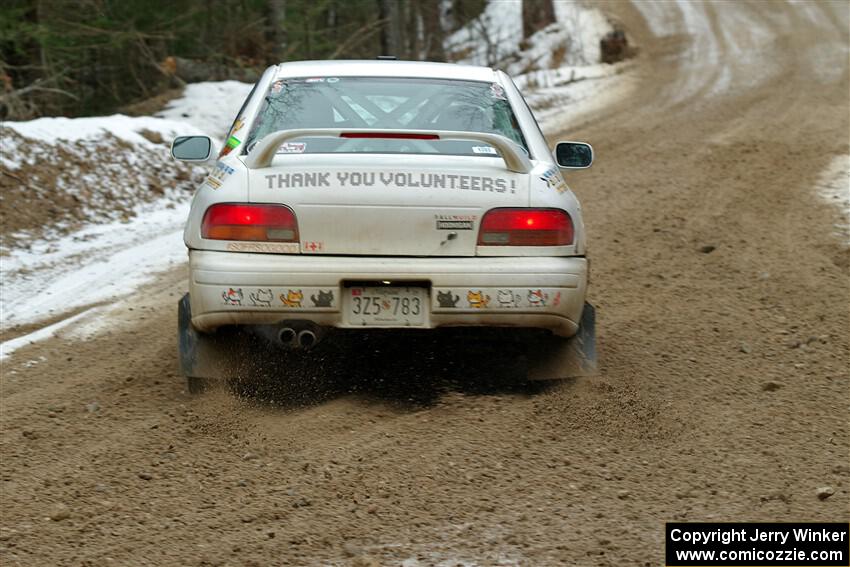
(8, 347)
(97, 263)
(562, 98)
(208, 107)
(833, 186)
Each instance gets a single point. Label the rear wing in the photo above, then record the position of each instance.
(264, 151)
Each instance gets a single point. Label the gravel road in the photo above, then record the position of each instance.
(722, 296)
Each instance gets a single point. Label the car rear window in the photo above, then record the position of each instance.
(386, 103)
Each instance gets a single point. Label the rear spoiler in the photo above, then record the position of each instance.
(263, 152)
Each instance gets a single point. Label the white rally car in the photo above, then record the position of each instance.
(384, 194)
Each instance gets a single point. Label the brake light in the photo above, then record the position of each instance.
(390, 135)
(526, 227)
(230, 221)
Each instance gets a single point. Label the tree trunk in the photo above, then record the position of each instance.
(276, 27)
(536, 15)
(433, 30)
(391, 33)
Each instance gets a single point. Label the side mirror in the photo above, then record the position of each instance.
(191, 148)
(574, 155)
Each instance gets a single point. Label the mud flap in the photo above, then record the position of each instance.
(202, 355)
(557, 357)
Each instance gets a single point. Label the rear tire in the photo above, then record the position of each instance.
(205, 358)
(558, 357)
(196, 385)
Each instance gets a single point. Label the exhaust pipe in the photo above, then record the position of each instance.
(287, 337)
(307, 339)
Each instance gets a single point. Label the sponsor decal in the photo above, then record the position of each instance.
(261, 298)
(268, 247)
(484, 150)
(292, 148)
(325, 298)
(220, 171)
(231, 144)
(557, 300)
(237, 125)
(333, 79)
(471, 218)
(390, 179)
(477, 299)
(454, 225)
(445, 299)
(292, 298)
(554, 180)
(232, 296)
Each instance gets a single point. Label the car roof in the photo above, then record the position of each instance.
(383, 68)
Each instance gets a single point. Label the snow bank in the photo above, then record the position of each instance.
(97, 263)
(495, 38)
(55, 130)
(556, 68)
(60, 174)
(208, 107)
(113, 200)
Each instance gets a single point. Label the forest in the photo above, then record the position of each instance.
(85, 57)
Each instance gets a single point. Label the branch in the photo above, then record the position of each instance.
(36, 86)
(363, 33)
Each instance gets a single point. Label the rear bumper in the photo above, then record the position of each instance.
(230, 288)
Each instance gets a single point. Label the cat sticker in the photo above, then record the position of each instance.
(445, 299)
(292, 298)
(536, 298)
(262, 298)
(506, 298)
(477, 299)
(232, 296)
(325, 299)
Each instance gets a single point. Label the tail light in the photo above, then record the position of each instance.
(231, 221)
(526, 227)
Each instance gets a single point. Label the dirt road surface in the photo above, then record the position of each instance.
(724, 391)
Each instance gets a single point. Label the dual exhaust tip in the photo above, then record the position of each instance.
(303, 339)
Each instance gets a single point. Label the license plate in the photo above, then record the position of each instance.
(386, 306)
